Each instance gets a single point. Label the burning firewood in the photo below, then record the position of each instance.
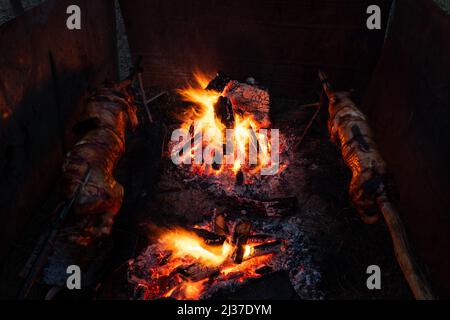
(196, 272)
(210, 238)
(223, 110)
(264, 249)
(141, 292)
(239, 238)
(220, 226)
(221, 105)
(260, 238)
(184, 264)
(250, 99)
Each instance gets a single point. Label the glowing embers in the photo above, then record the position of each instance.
(227, 132)
(186, 263)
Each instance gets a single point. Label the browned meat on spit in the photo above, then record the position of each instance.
(109, 112)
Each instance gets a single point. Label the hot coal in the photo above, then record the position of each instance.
(293, 257)
(196, 272)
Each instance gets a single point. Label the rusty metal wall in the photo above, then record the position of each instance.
(408, 103)
(36, 103)
(281, 43)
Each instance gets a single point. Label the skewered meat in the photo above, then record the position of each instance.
(371, 188)
(349, 128)
(109, 111)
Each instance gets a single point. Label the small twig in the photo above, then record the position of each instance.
(326, 84)
(156, 97)
(144, 97)
(308, 127)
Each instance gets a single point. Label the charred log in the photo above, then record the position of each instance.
(240, 178)
(196, 272)
(265, 248)
(220, 226)
(249, 99)
(209, 238)
(223, 110)
(239, 238)
(260, 238)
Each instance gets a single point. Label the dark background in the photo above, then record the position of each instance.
(280, 43)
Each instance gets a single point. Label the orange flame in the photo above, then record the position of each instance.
(204, 117)
(183, 243)
(185, 248)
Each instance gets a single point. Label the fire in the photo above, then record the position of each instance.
(247, 134)
(193, 290)
(181, 248)
(182, 244)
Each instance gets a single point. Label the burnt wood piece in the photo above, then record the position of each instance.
(208, 237)
(251, 100)
(265, 248)
(260, 238)
(220, 226)
(273, 286)
(165, 258)
(163, 283)
(141, 292)
(264, 270)
(223, 109)
(219, 82)
(280, 206)
(241, 231)
(240, 178)
(196, 272)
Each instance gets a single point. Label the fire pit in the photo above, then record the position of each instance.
(228, 132)
(254, 233)
(203, 261)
